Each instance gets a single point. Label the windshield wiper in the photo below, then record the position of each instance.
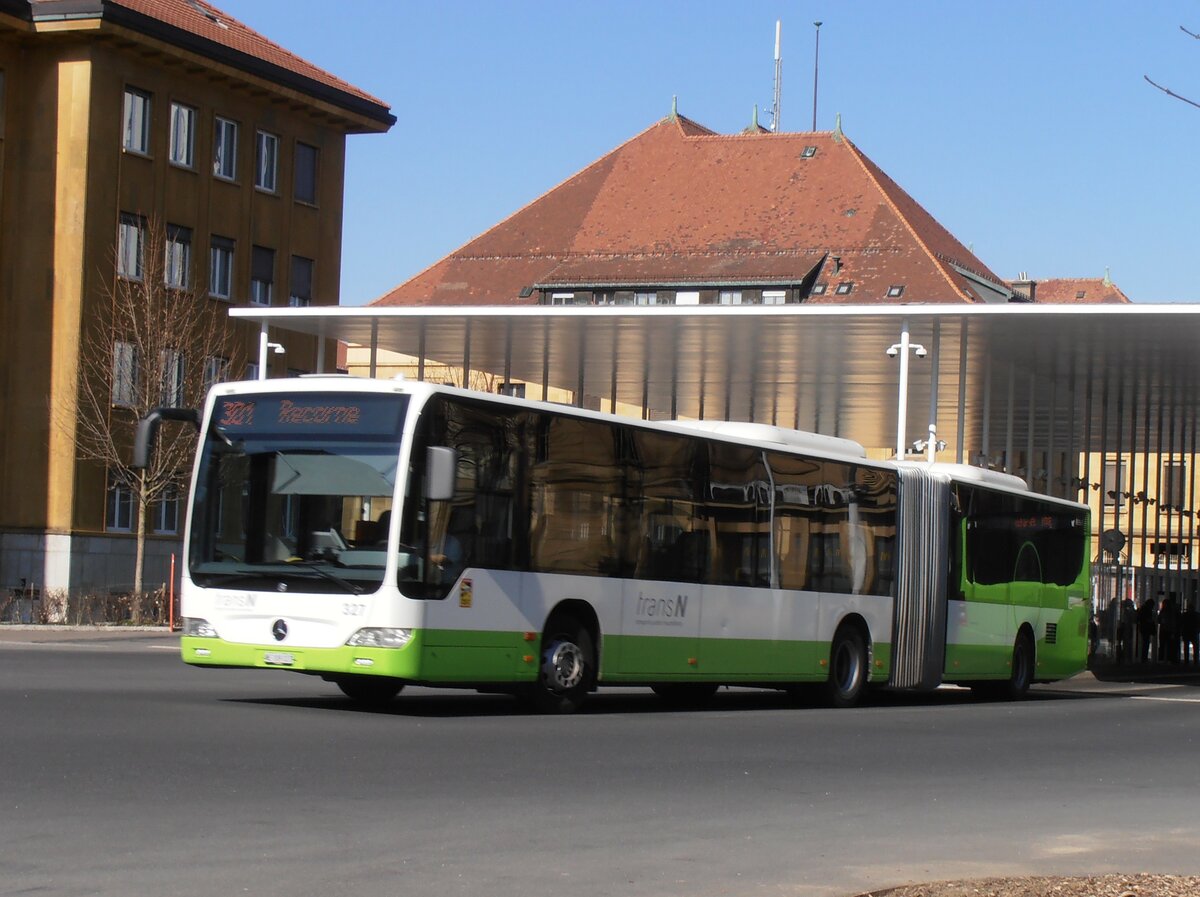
(242, 574)
(322, 572)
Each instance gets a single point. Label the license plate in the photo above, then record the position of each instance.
(279, 658)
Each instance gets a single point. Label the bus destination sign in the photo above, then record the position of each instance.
(363, 415)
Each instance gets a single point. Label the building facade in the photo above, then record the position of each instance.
(117, 116)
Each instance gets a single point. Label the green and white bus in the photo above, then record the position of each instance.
(380, 533)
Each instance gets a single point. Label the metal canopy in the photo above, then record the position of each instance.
(1007, 378)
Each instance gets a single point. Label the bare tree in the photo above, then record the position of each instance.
(1168, 90)
(158, 339)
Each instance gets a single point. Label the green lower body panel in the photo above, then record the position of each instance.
(466, 656)
(674, 659)
(453, 657)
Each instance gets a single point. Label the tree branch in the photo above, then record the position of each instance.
(1170, 92)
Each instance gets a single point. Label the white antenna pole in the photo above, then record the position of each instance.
(778, 80)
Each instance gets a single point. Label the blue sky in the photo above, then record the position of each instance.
(1025, 128)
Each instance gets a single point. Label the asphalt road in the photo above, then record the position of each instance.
(127, 773)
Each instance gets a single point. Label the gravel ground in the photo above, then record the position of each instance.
(1143, 885)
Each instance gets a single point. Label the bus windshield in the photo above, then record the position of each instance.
(291, 490)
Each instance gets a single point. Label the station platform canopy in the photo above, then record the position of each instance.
(994, 380)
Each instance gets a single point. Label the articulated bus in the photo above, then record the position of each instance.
(382, 533)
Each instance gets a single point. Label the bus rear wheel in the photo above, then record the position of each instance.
(568, 668)
(1021, 676)
(847, 668)
(370, 691)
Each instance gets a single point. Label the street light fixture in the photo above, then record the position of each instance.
(901, 350)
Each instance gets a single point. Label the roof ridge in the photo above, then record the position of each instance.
(518, 211)
(933, 256)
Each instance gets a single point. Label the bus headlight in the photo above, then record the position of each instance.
(382, 637)
(194, 626)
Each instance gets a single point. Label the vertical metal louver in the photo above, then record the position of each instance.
(919, 625)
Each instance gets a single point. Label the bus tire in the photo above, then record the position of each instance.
(1021, 676)
(685, 694)
(568, 667)
(370, 691)
(847, 682)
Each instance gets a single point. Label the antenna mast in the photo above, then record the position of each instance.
(778, 81)
(816, 69)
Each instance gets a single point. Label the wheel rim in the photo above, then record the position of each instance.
(563, 666)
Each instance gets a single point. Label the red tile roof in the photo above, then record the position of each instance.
(198, 25)
(680, 204)
(1078, 291)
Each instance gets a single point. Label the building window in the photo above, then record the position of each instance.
(119, 517)
(300, 295)
(774, 297)
(124, 374)
(220, 267)
(645, 298)
(266, 161)
(251, 370)
(516, 390)
(216, 370)
(166, 512)
(262, 275)
(729, 297)
(174, 372)
(178, 261)
(137, 121)
(562, 298)
(1114, 482)
(845, 288)
(305, 187)
(183, 135)
(1173, 486)
(895, 291)
(131, 238)
(687, 297)
(225, 137)
(819, 289)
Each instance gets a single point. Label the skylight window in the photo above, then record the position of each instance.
(809, 152)
(845, 288)
(895, 290)
(1079, 294)
(819, 289)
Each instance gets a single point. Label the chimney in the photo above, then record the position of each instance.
(1024, 289)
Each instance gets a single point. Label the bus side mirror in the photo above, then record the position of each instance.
(147, 431)
(441, 470)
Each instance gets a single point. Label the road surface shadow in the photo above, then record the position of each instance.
(447, 703)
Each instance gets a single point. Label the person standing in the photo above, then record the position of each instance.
(1145, 626)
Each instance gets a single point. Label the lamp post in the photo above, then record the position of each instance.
(902, 349)
(264, 346)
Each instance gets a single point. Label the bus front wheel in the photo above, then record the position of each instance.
(372, 691)
(568, 667)
(847, 668)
